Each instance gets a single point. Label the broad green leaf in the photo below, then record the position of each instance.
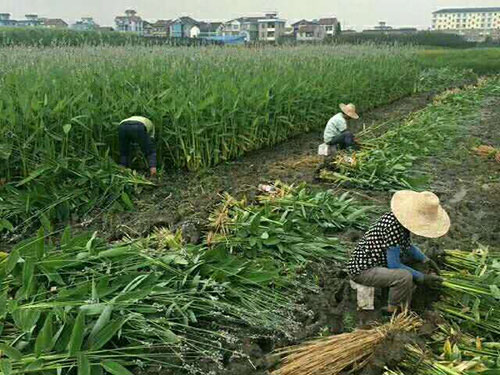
(76, 340)
(5, 366)
(35, 365)
(66, 237)
(495, 291)
(11, 352)
(40, 241)
(43, 343)
(105, 334)
(127, 201)
(114, 368)
(6, 224)
(67, 129)
(83, 364)
(101, 322)
(12, 261)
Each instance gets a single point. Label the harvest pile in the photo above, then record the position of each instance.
(75, 300)
(388, 162)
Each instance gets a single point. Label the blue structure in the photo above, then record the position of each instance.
(228, 39)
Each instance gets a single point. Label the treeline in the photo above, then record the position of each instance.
(422, 38)
(40, 37)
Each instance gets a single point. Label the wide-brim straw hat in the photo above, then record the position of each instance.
(349, 110)
(420, 213)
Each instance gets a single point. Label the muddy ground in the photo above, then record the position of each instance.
(468, 185)
(190, 197)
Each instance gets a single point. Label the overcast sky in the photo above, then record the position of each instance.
(352, 13)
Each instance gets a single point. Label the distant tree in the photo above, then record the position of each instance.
(338, 29)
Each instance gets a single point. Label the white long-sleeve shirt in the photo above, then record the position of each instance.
(336, 125)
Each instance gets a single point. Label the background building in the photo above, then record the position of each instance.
(130, 22)
(185, 27)
(247, 27)
(310, 31)
(466, 19)
(271, 28)
(6, 21)
(54, 23)
(330, 25)
(85, 24)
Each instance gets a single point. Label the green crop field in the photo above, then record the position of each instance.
(61, 106)
(267, 268)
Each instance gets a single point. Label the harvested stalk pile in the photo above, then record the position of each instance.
(387, 162)
(471, 293)
(74, 301)
(337, 353)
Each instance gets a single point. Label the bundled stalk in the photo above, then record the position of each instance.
(337, 353)
(471, 294)
(289, 224)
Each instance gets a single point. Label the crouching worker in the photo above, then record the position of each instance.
(337, 133)
(137, 130)
(376, 261)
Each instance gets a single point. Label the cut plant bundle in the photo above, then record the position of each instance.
(387, 162)
(67, 190)
(332, 355)
(471, 292)
(75, 301)
(288, 224)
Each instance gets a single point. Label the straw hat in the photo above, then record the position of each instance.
(420, 213)
(349, 110)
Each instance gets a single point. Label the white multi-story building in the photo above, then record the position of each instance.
(130, 22)
(462, 19)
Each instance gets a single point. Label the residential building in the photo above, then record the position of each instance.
(248, 27)
(329, 25)
(31, 20)
(6, 21)
(462, 19)
(161, 28)
(147, 28)
(383, 28)
(271, 28)
(54, 23)
(85, 24)
(308, 31)
(209, 29)
(131, 22)
(185, 27)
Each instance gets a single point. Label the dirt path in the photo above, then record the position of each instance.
(185, 196)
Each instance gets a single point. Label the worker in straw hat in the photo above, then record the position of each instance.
(337, 132)
(376, 261)
(137, 130)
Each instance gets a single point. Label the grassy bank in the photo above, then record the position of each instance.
(481, 60)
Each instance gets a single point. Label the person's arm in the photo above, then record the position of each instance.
(394, 262)
(417, 254)
(149, 149)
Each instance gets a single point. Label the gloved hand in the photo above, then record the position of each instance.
(432, 264)
(432, 281)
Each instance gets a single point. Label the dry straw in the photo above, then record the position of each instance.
(331, 355)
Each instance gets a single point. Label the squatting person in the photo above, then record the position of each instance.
(376, 261)
(137, 130)
(336, 131)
